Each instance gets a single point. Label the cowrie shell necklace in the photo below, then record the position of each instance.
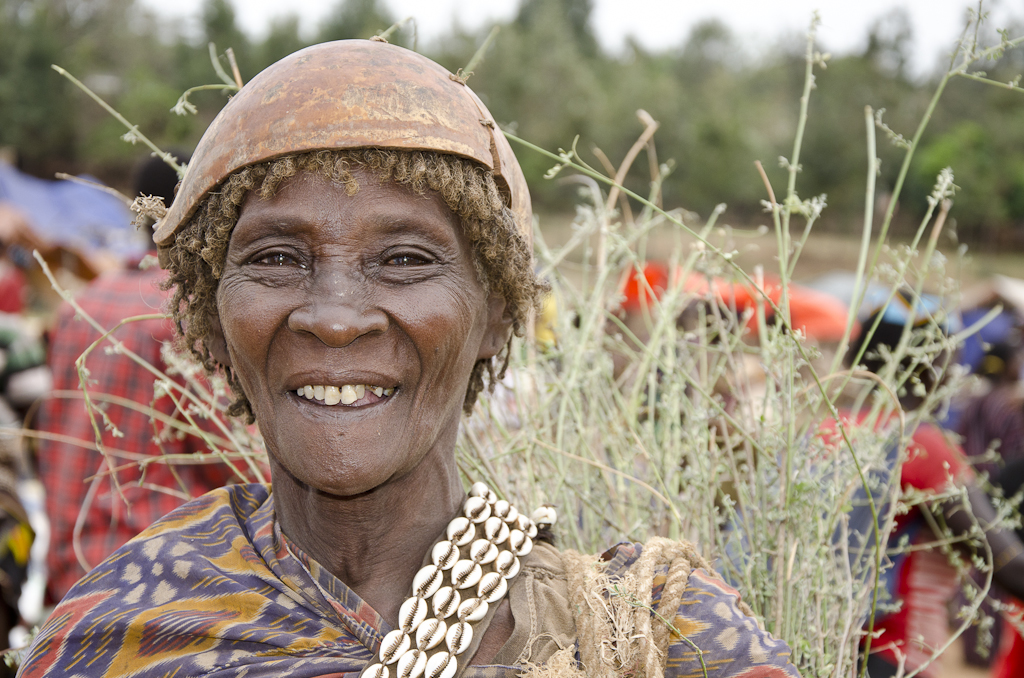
(479, 555)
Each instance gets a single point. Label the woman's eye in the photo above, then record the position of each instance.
(407, 260)
(277, 259)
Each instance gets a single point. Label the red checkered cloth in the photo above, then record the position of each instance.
(64, 467)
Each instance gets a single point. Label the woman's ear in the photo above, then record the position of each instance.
(498, 330)
(216, 344)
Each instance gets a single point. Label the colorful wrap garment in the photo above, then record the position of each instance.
(213, 590)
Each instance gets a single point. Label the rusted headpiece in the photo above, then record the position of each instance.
(347, 94)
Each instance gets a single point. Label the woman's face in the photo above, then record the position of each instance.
(373, 296)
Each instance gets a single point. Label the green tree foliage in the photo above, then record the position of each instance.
(35, 108)
(355, 19)
(221, 28)
(547, 77)
(539, 77)
(282, 39)
(835, 152)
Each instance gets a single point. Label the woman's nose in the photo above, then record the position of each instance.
(338, 310)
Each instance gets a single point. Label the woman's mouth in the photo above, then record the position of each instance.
(350, 395)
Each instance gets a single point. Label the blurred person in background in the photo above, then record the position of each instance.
(13, 283)
(24, 378)
(922, 580)
(1009, 659)
(994, 419)
(997, 415)
(92, 512)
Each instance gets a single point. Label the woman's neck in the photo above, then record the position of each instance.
(374, 542)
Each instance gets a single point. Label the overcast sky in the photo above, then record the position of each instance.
(660, 23)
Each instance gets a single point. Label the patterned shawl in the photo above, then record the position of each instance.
(212, 590)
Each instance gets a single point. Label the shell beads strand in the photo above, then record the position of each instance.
(494, 535)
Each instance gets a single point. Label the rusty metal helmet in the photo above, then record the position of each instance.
(345, 95)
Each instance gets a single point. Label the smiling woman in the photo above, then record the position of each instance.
(344, 293)
(351, 247)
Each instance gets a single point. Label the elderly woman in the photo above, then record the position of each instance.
(351, 248)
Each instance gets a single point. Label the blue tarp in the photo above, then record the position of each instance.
(70, 214)
(840, 285)
(998, 329)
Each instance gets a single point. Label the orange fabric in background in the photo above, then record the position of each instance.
(817, 314)
(637, 294)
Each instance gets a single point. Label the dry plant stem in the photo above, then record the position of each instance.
(710, 246)
(168, 383)
(478, 56)
(117, 346)
(695, 384)
(137, 407)
(650, 127)
(627, 213)
(203, 88)
(386, 34)
(218, 67)
(976, 327)
(230, 53)
(782, 226)
(78, 442)
(652, 155)
(169, 460)
(860, 282)
(76, 533)
(901, 347)
(132, 129)
(671, 295)
(63, 176)
(143, 462)
(767, 184)
(844, 545)
(901, 271)
(960, 69)
(608, 469)
(994, 83)
(888, 372)
(774, 429)
(183, 496)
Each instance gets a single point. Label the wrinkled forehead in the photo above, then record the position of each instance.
(347, 95)
(364, 209)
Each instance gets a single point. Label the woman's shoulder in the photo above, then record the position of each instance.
(192, 588)
(207, 530)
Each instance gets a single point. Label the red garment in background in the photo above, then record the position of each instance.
(1010, 662)
(925, 581)
(64, 467)
(13, 284)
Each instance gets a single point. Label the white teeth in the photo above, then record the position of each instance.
(346, 395)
